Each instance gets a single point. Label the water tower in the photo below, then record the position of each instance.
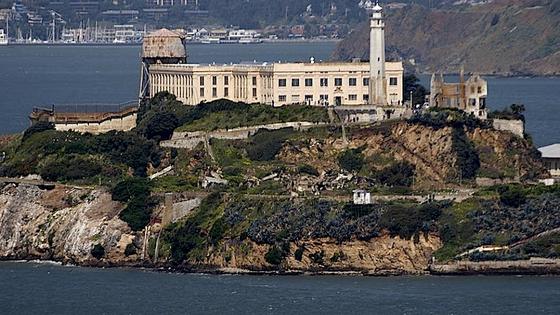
(160, 47)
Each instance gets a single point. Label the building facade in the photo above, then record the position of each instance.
(468, 95)
(278, 84)
(551, 157)
(375, 83)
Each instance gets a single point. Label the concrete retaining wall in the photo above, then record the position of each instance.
(517, 127)
(189, 140)
(532, 266)
(125, 123)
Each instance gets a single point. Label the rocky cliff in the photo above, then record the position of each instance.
(507, 37)
(62, 224)
(381, 255)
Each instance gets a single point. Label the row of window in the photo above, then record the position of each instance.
(226, 92)
(322, 97)
(226, 80)
(337, 82)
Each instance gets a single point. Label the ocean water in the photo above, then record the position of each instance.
(29, 288)
(33, 76)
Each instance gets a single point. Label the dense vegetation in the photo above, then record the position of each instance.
(351, 160)
(412, 85)
(136, 193)
(72, 156)
(225, 114)
(515, 111)
(503, 215)
(282, 221)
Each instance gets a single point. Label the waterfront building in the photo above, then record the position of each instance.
(551, 156)
(374, 83)
(468, 95)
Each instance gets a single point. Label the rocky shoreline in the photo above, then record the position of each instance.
(515, 268)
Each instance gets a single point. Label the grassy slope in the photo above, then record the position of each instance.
(255, 115)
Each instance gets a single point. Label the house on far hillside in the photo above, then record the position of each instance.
(468, 95)
(551, 157)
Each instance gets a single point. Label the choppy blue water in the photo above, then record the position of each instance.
(28, 288)
(42, 75)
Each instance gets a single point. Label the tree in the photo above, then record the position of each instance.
(351, 160)
(160, 126)
(412, 84)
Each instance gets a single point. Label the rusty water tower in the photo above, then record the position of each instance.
(160, 47)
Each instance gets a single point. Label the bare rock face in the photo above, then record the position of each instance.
(381, 255)
(430, 150)
(62, 224)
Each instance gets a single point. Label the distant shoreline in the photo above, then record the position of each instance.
(266, 41)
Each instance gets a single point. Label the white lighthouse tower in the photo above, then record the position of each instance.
(377, 80)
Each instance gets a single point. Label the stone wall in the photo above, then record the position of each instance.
(517, 127)
(124, 123)
(533, 266)
(189, 140)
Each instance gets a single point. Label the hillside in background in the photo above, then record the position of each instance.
(507, 37)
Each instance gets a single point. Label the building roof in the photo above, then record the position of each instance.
(551, 151)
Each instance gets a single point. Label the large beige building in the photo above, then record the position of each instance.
(329, 83)
(377, 82)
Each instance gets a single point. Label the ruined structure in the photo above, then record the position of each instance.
(160, 47)
(469, 96)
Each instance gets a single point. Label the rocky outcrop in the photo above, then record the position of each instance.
(62, 224)
(381, 255)
(430, 150)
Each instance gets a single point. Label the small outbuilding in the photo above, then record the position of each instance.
(362, 197)
(551, 157)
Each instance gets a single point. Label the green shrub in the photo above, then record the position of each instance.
(98, 251)
(512, 196)
(274, 256)
(467, 157)
(217, 231)
(308, 169)
(191, 235)
(130, 250)
(298, 254)
(407, 220)
(514, 112)
(138, 212)
(317, 257)
(131, 188)
(70, 168)
(265, 144)
(37, 127)
(399, 174)
(160, 127)
(351, 160)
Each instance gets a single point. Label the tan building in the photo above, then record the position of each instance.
(278, 84)
(469, 96)
(333, 83)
